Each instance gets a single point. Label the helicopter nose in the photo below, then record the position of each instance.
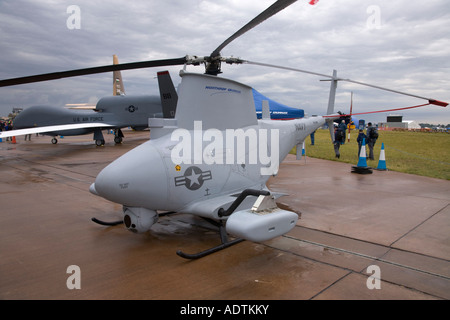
(136, 179)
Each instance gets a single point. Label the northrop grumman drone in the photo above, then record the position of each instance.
(213, 158)
(114, 112)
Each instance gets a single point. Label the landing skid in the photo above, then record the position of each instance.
(222, 231)
(104, 223)
(225, 244)
(223, 236)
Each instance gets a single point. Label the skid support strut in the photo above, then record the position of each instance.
(222, 231)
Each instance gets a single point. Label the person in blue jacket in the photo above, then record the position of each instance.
(343, 127)
(338, 134)
(360, 138)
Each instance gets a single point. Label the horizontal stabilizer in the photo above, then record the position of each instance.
(20, 132)
(80, 106)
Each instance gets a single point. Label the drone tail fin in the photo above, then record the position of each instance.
(118, 87)
(168, 94)
(214, 101)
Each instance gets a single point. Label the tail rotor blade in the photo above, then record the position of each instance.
(330, 124)
(332, 96)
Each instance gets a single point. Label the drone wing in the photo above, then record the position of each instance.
(210, 208)
(252, 214)
(20, 132)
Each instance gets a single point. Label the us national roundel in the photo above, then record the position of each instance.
(193, 178)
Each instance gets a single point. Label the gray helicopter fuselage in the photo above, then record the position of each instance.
(151, 176)
(203, 159)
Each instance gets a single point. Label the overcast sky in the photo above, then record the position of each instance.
(403, 45)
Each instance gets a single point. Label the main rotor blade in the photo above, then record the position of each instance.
(431, 101)
(94, 70)
(273, 9)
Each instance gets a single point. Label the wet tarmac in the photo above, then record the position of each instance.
(352, 228)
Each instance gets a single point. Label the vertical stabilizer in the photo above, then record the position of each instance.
(118, 87)
(218, 102)
(168, 94)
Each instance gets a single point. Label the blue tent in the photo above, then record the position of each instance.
(278, 111)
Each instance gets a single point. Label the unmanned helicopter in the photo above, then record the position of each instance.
(213, 159)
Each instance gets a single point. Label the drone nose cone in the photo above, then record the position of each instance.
(137, 179)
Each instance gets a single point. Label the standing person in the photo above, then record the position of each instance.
(360, 138)
(337, 141)
(6, 129)
(343, 127)
(372, 136)
(312, 137)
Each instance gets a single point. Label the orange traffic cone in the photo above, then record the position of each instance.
(13, 140)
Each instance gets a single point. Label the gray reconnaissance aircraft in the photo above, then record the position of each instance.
(114, 112)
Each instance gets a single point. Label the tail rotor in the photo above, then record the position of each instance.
(331, 99)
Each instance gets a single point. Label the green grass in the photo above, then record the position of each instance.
(420, 153)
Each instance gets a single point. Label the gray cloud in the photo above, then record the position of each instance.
(408, 51)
